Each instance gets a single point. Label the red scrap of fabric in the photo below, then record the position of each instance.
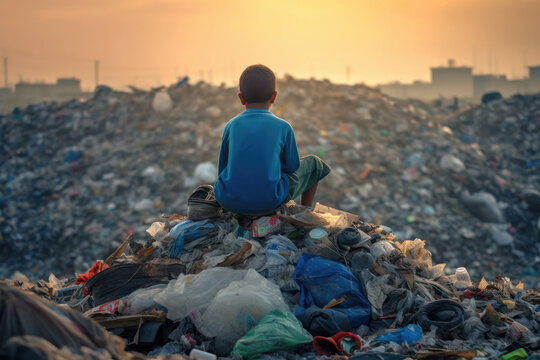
(364, 173)
(478, 294)
(98, 267)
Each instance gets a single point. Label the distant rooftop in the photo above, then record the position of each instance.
(451, 65)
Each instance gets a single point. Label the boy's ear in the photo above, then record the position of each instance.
(273, 98)
(242, 100)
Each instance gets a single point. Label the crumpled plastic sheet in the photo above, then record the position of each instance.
(239, 306)
(194, 293)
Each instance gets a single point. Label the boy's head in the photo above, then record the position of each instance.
(257, 86)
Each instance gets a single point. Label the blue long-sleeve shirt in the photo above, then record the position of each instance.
(258, 149)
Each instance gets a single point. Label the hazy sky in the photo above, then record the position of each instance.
(151, 42)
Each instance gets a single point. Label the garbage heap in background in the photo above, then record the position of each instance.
(301, 284)
(76, 177)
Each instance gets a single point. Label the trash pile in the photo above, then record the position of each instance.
(77, 177)
(304, 283)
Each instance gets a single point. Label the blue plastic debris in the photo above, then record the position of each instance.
(323, 282)
(72, 155)
(410, 335)
(187, 230)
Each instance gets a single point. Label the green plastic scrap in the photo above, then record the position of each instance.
(277, 330)
(410, 218)
(516, 355)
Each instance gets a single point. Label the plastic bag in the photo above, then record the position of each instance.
(326, 283)
(450, 162)
(188, 230)
(162, 102)
(239, 306)
(206, 172)
(143, 299)
(410, 335)
(280, 253)
(277, 330)
(191, 293)
(484, 206)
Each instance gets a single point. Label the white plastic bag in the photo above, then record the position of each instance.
(194, 293)
(239, 306)
(143, 299)
(280, 254)
(279, 251)
(162, 102)
(450, 162)
(206, 172)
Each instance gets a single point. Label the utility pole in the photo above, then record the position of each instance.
(525, 61)
(96, 72)
(5, 72)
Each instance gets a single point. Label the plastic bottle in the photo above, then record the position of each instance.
(317, 237)
(317, 234)
(196, 354)
(410, 335)
(463, 280)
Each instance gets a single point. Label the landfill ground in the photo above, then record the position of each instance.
(75, 177)
(109, 178)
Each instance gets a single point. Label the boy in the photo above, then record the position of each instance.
(259, 168)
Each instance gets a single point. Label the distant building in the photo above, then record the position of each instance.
(459, 81)
(534, 78)
(417, 90)
(486, 83)
(26, 93)
(63, 87)
(450, 81)
(517, 86)
(5, 91)
(69, 85)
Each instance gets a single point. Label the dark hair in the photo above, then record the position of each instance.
(257, 84)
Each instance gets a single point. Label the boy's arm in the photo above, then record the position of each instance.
(224, 151)
(290, 161)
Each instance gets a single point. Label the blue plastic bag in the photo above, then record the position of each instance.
(72, 155)
(323, 281)
(410, 335)
(187, 230)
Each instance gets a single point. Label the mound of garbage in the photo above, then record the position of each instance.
(76, 177)
(303, 283)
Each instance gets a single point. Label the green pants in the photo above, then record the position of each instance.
(312, 169)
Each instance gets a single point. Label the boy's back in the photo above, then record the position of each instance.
(257, 151)
(259, 167)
